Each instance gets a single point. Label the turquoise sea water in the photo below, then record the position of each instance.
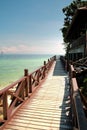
(12, 66)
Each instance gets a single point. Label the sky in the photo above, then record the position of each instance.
(32, 26)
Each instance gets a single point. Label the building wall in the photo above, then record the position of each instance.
(77, 48)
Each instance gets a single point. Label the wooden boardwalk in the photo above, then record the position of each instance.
(48, 108)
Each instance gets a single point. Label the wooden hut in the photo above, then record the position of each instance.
(77, 35)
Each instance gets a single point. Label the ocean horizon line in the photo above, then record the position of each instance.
(28, 54)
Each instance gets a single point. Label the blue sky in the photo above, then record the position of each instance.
(32, 26)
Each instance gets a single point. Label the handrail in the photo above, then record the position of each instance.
(78, 115)
(80, 60)
(16, 93)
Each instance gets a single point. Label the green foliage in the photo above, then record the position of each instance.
(85, 80)
(84, 87)
(69, 12)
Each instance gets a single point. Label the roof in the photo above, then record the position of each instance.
(78, 24)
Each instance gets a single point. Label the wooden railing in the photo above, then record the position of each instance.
(15, 94)
(77, 102)
(78, 115)
(81, 62)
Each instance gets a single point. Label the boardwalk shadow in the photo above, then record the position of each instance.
(66, 116)
(65, 107)
(59, 70)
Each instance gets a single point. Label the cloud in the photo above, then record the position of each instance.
(15, 49)
(38, 46)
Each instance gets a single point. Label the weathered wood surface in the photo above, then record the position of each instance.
(48, 108)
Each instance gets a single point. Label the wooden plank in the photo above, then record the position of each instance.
(47, 109)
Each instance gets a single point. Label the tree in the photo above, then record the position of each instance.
(69, 12)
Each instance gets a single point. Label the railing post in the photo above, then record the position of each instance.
(55, 57)
(48, 65)
(38, 76)
(30, 84)
(5, 106)
(26, 72)
(26, 81)
(44, 72)
(44, 62)
(44, 68)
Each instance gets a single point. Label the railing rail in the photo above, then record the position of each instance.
(78, 115)
(13, 95)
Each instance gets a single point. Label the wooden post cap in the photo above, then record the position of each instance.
(44, 62)
(25, 72)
